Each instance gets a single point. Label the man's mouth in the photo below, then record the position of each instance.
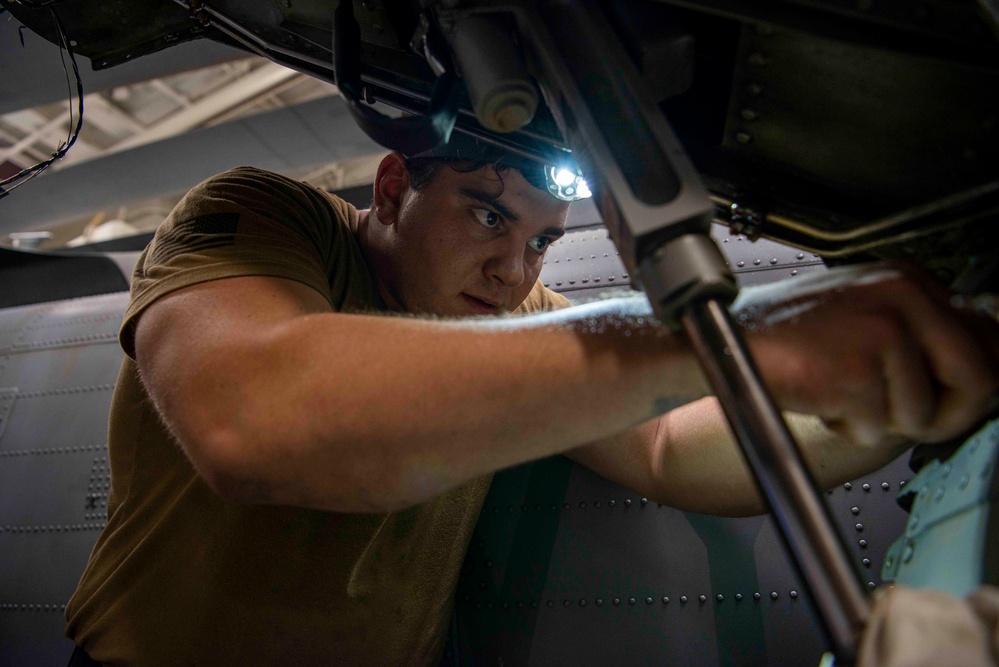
(481, 306)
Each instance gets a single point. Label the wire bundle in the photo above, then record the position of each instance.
(26, 174)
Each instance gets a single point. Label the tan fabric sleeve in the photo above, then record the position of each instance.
(541, 299)
(243, 222)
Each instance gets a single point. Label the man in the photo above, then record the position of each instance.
(295, 475)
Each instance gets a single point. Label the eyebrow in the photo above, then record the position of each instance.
(486, 198)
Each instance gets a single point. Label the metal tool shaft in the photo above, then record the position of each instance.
(781, 474)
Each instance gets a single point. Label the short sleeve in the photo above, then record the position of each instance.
(243, 222)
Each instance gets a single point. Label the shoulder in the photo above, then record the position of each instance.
(541, 299)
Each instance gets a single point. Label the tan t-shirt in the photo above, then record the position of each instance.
(180, 576)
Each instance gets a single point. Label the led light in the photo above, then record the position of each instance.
(566, 183)
(565, 177)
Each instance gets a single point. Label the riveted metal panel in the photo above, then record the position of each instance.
(585, 265)
(950, 520)
(43, 566)
(58, 362)
(564, 565)
(31, 634)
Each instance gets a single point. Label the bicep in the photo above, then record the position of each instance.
(194, 337)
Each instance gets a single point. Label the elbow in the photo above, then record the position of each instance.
(224, 462)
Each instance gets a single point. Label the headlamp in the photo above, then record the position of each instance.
(566, 183)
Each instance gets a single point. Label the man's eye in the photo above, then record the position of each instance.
(486, 217)
(539, 243)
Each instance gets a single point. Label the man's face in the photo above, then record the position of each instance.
(471, 243)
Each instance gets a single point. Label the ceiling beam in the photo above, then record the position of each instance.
(32, 75)
(286, 139)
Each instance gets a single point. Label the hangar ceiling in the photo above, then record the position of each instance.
(152, 130)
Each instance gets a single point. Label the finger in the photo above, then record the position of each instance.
(912, 393)
(962, 356)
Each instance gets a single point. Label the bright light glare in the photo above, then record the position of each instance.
(564, 177)
(583, 190)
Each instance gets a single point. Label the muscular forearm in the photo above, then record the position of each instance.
(697, 466)
(365, 413)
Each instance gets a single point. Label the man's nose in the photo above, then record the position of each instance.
(506, 266)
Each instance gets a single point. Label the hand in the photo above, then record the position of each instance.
(875, 351)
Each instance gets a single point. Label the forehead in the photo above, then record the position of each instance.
(506, 186)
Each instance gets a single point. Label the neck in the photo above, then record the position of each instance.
(370, 238)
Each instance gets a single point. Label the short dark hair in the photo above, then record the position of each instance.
(465, 153)
(423, 169)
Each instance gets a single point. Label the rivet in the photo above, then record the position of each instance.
(582, 602)
(773, 595)
(719, 597)
(631, 600)
(757, 262)
(649, 600)
(612, 502)
(566, 506)
(683, 599)
(644, 501)
(748, 115)
(866, 562)
(566, 603)
(550, 603)
(871, 585)
(520, 605)
(908, 553)
(963, 484)
(489, 563)
(939, 494)
(600, 602)
(914, 521)
(945, 471)
(848, 486)
(800, 255)
(665, 599)
(744, 138)
(740, 264)
(885, 486)
(754, 89)
(702, 598)
(866, 487)
(582, 505)
(616, 601)
(758, 59)
(855, 510)
(794, 595)
(534, 604)
(756, 596)
(862, 543)
(859, 527)
(505, 605)
(773, 260)
(627, 502)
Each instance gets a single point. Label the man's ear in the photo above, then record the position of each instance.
(391, 183)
